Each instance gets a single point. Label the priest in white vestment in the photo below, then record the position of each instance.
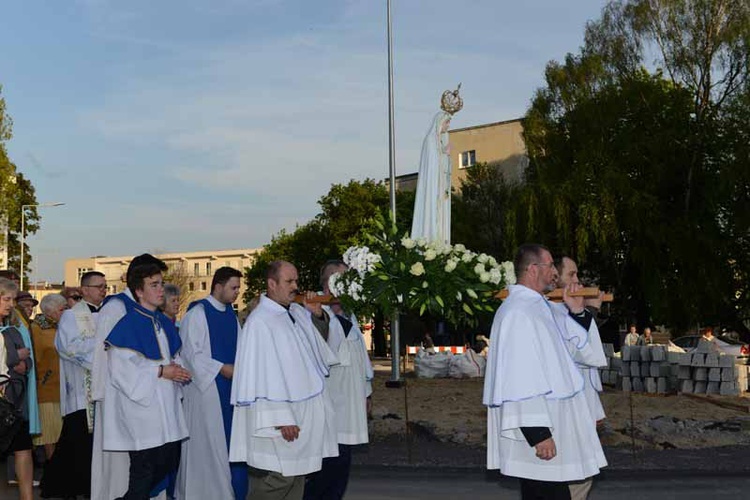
(539, 427)
(209, 332)
(110, 469)
(68, 472)
(350, 387)
(283, 424)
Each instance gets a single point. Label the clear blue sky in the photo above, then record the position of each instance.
(195, 125)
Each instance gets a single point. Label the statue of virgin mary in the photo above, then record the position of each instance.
(432, 205)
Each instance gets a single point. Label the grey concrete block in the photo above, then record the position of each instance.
(685, 373)
(700, 373)
(616, 364)
(609, 350)
(699, 387)
(728, 374)
(627, 384)
(728, 389)
(726, 361)
(712, 360)
(645, 353)
(698, 359)
(625, 352)
(658, 353)
(645, 369)
(675, 357)
(659, 369)
(650, 385)
(713, 388)
(714, 374)
(662, 385)
(685, 359)
(637, 384)
(635, 369)
(686, 386)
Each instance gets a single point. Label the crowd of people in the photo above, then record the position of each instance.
(125, 402)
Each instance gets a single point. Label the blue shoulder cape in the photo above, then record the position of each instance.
(137, 331)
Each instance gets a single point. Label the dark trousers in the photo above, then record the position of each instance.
(68, 472)
(148, 467)
(330, 482)
(544, 490)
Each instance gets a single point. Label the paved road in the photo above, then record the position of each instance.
(398, 485)
(402, 484)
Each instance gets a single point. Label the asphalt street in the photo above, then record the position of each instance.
(404, 484)
(414, 484)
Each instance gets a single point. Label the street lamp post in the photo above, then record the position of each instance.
(23, 232)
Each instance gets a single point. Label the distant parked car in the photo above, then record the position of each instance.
(725, 345)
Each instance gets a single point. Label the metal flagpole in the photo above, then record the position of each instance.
(395, 341)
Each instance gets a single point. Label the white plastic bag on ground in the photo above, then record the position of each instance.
(432, 365)
(467, 365)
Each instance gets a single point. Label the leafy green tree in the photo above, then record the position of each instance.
(15, 191)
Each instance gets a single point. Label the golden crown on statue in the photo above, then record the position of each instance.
(451, 102)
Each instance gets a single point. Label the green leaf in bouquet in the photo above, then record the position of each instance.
(467, 309)
(439, 300)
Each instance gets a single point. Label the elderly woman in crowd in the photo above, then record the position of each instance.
(43, 330)
(20, 363)
(171, 302)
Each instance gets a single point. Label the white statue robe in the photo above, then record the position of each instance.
(279, 380)
(588, 354)
(432, 203)
(204, 462)
(110, 470)
(350, 382)
(532, 381)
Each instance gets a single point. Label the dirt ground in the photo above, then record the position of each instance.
(451, 410)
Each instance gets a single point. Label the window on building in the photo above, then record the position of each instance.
(191, 286)
(203, 285)
(208, 269)
(114, 288)
(467, 159)
(82, 271)
(196, 269)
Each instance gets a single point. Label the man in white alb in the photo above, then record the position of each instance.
(283, 424)
(588, 354)
(142, 409)
(110, 469)
(209, 333)
(350, 387)
(539, 427)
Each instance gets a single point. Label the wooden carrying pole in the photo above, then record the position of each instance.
(555, 295)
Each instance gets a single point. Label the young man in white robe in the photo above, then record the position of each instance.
(587, 351)
(209, 332)
(539, 427)
(283, 424)
(68, 473)
(110, 469)
(142, 408)
(350, 387)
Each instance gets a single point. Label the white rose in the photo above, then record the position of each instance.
(417, 269)
(421, 242)
(467, 257)
(492, 262)
(509, 272)
(450, 266)
(458, 247)
(408, 243)
(479, 269)
(483, 258)
(484, 277)
(430, 254)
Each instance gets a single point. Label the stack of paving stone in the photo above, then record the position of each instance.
(649, 369)
(611, 374)
(705, 371)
